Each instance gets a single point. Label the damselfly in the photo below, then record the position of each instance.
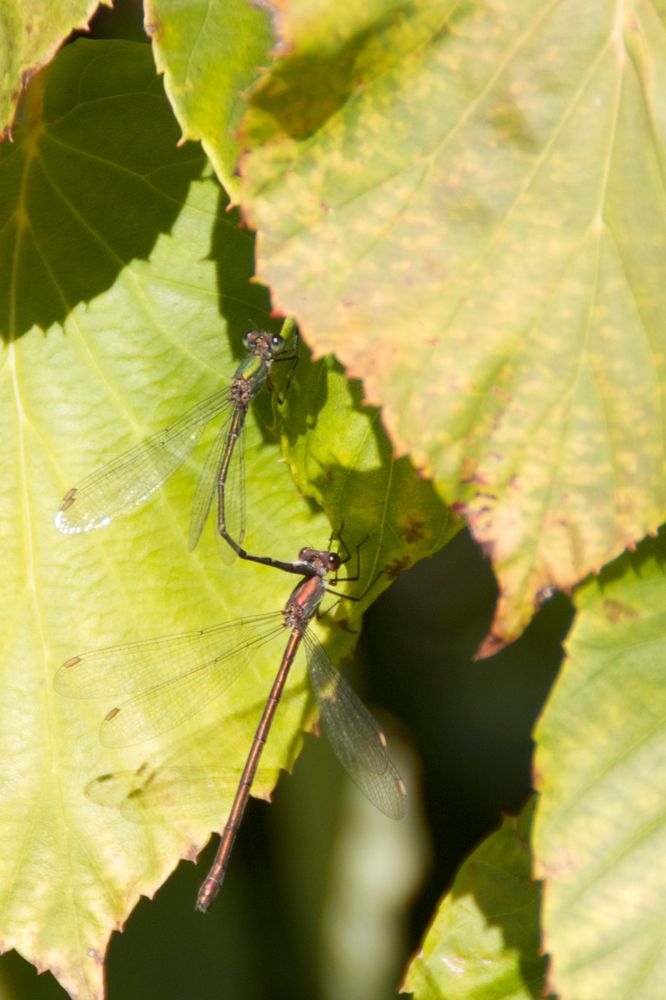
(175, 677)
(127, 482)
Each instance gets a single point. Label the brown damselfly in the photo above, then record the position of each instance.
(176, 676)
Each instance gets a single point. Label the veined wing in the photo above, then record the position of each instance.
(208, 477)
(167, 794)
(231, 496)
(128, 481)
(170, 679)
(355, 736)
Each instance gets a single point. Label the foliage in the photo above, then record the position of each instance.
(484, 940)
(464, 203)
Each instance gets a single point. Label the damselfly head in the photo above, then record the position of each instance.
(321, 560)
(264, 345)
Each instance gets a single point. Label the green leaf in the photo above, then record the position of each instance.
(341, 456)
(31, 34)
(484, 940)
(209, 53)
(125, 292)
(59, 244)
(466, 204)
(600, 830)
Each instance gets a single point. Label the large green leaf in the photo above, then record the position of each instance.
(125, 291)
(465, 202)
(209, 53)
(30, 34)
(484, 940)
(600, 831)
(341, 456)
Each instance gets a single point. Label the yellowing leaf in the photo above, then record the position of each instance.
(466, 204)
(600, 833)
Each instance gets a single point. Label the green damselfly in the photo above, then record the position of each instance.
(175, 677)
(127, 482)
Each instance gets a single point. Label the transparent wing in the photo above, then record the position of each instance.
(166, 794)
(173, 677)
(207, 482)
(128, 481)
(231, 496)
(357, 740)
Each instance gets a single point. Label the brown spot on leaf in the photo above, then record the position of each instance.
(413, 531)
(396, 567)
(472, 477)
(343, 623)
(616, 611)
(152, 27)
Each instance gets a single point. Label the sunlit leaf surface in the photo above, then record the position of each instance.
(484, 940)
(209, 53)
(124, 295)
(31, 33)
(600, 832)
(466, 204)
(340, 455)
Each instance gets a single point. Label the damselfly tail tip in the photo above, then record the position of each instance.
(207, 894)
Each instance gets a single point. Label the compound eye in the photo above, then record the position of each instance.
(333, 561)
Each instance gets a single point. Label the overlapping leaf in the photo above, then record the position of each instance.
(341, 456)
(124, 281)
(600, 833)
(466, 204)
(209, 53)
(31, 34)
(484, 940)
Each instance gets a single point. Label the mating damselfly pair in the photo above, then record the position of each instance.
(163, 682)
